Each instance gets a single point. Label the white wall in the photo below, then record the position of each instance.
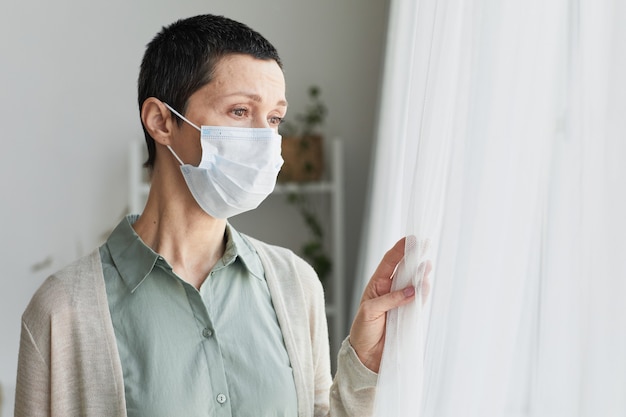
(68, 73)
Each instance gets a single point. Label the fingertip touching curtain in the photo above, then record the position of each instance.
(501, 154)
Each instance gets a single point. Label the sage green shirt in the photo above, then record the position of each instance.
(218, 351)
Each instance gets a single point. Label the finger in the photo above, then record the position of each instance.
(380, 282)
(425, 289)
(389, 262)
(376, 307)
(424, 268)
(423, 272)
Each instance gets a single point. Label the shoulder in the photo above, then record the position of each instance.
(67, 289)
(282, 259)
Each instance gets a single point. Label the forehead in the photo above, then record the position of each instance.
(238, 71)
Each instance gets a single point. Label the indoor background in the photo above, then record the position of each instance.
(68, 73)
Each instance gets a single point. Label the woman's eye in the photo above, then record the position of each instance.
(240, 112)
(275, 120)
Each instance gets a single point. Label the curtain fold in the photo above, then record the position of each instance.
(499, 152)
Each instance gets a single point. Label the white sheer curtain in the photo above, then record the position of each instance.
(501, 150)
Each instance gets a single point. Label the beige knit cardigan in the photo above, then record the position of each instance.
(69, 364)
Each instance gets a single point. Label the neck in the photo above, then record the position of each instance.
(181, 232)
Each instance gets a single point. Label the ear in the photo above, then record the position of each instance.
(157, 119)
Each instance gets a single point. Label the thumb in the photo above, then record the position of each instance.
(378, 306)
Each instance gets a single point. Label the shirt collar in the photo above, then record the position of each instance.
(135, 260)
(238, 245)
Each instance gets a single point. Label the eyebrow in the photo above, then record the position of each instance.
(256, 97)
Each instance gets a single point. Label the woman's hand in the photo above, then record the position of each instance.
(367, 335)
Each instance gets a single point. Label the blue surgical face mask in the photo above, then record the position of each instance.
(238, 169)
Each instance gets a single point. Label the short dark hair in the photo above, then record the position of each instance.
(182, 57)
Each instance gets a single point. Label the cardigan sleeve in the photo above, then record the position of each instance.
(354, 387)
(49, 363)
(32, 393)
(68, 364)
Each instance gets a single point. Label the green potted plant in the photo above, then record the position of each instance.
(303, 155)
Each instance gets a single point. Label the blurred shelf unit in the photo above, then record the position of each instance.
(139, 187)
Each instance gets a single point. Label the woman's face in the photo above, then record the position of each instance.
(244, 92)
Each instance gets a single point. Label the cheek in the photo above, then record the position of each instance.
(189, 149)
(195, 151)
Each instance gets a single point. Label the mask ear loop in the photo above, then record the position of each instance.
(181, 116)
(185, 119)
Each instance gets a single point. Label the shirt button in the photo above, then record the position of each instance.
(221, 398)
(206, 332)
